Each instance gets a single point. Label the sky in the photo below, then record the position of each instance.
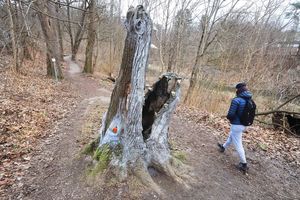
(158, 14)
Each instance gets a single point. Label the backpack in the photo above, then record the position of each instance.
(248, 113)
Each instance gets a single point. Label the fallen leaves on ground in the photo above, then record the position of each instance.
(30, 104)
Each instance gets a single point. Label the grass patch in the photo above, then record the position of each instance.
(90, 148)
(102, 155)
(179, 155)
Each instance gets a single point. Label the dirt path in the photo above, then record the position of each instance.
(216, 175)
(57, 171)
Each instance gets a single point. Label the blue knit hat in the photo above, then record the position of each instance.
(240, 85)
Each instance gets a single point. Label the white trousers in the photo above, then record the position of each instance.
(235, 137)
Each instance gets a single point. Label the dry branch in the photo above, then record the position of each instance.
(280, 106)
(276, 124)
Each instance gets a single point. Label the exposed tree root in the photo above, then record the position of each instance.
(141, 172)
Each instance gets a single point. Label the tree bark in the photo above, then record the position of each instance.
(80, 29)
(172, 56)
(120, 93)
(208, 35)
(88, 65)
(12, 24)
(69, 29)
(141, 151)
(26, 42)
(59, 32)
(50, 34)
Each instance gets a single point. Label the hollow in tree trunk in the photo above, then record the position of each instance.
(142, 125)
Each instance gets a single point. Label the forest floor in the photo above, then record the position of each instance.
(56, 170)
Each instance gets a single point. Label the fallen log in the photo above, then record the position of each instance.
(286, 120)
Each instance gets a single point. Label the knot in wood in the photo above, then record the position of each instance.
(137, 20)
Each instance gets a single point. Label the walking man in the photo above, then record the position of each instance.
(238, 109)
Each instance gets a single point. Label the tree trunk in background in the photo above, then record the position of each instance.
(172, 52)
(69, 29)
(164, 38)
(59, 31)
(81, 27)
(12, 24)
(26, 41)
(18, 34)
(50, 34)
(193, 81)
(111, 39)
(208, 35)
(120, 11)
(88, 65)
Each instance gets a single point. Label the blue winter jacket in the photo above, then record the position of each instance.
(237, 106)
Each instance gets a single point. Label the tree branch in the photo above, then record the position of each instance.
(272, 124)
(277, 111)
(288, 101)
(280, 106)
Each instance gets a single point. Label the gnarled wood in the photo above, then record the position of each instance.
(120, 92)
(144, 124)
(132, 140)
(157, 143)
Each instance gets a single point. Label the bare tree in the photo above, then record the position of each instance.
(48, 24)
(59, 30)
(13, 32)
(212, 15)
(180, 28)
(80, 27)
(88, 65)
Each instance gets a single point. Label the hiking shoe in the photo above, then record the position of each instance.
(243, 167)
(222, 149)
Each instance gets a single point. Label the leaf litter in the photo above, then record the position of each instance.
(274, 144)
(30, 105)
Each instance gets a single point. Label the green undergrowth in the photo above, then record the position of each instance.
(176, 153)
(102, 156)
(90, 148)
(179, 155)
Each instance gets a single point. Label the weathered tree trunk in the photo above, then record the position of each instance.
(50, 34)
(120, 92)
(88, 65)
(143, 132)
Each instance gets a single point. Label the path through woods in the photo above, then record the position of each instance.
(58, 172)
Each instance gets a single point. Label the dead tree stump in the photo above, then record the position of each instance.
(139, 124)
